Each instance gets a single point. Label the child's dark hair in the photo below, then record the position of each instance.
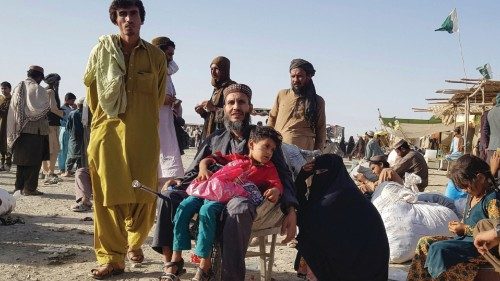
(258, 133)
(466, 169)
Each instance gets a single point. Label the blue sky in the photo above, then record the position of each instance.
(368, 54)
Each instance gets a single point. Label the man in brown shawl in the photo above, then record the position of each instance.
(299, 113)
(28, 130)
(212, 110)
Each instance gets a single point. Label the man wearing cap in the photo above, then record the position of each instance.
(241, 215)
(126, 81)
(372, 147)
(411, 162)
(212, 110)
(299, 113)
(68, 106)
(170, 152)
(28, 130)
(54, 117)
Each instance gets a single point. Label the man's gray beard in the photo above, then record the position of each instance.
(237, 126)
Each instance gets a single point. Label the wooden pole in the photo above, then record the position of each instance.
(466, 127)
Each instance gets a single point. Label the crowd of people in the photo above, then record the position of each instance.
(239, 171)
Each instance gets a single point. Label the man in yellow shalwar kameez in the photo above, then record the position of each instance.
(126, 82)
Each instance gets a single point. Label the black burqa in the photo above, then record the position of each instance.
(341, 234)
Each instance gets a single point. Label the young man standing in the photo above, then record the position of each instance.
(5, 96)
(126, 82)
(68, 106)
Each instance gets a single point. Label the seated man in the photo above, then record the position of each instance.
(411, 162)
(241, 213)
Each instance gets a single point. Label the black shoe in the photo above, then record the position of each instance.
(203, 276)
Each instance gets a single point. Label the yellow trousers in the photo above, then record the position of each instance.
(120, 228)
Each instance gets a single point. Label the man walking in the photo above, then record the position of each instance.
(299, 113)
(211, 110)
(54, 117)
(28, 130)
(5, 97)
(68, 106)
(126, 82)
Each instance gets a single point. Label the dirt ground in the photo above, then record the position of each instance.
(55, 243)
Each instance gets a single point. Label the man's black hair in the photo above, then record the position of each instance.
(258, 133)
(6, 84)
(121, 4)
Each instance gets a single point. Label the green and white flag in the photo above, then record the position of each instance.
(485, 70)
(450, 24)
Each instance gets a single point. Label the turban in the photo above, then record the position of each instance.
(238, 88)
(401, 143)
(80, 100)
(36, 68)
(371, 134)
(162, 42)
(52, 78)
(222, 62)
(303, 64)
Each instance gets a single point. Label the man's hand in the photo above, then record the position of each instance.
(495, 163)
(200, 108)
(272, 194)
(456, 227)
(309, 166)
(486, 240)
(209, 106)
(169, 100)
(203, 174)
(289, 226)
(169, 183)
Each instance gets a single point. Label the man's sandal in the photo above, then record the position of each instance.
(173, 276)
(106, 270)
(135, 256)
(203, 276)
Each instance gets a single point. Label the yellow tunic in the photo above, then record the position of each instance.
(295, 128)
(126, 148)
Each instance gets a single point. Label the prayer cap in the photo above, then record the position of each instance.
(52, 78)
(303, 64)
(162, 41)
(378, 158)
(238, 88)
(36, 68)
(400, 144)
(370, 134)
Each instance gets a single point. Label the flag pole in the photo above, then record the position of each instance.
(461, 53)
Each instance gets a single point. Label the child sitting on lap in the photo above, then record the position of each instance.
(253, 176)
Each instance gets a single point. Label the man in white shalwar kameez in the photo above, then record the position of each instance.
(170, 157)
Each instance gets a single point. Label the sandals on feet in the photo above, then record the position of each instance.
(203, 276)
(106, 270)
(135, 256)
(173, 276)
(80, 207)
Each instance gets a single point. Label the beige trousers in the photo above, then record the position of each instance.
(49, 166)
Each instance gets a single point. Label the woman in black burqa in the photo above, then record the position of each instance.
(341, 234)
